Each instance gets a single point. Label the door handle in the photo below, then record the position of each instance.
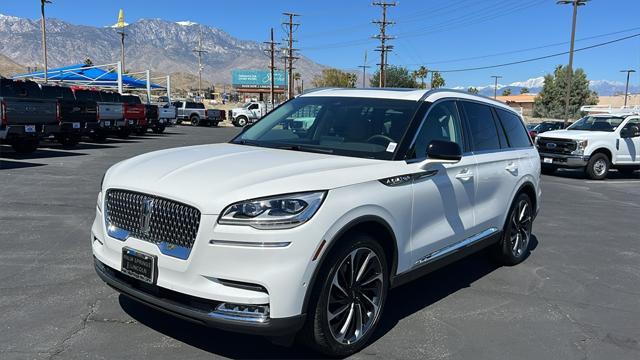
(511, 167)
(464, 175)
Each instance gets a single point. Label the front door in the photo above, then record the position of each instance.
(629, 148)
(443, 196)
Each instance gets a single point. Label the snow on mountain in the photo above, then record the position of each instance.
(186, 23)
(602, 87)
(530, 83)
(116, 25)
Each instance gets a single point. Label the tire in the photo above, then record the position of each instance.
(215, 123)
(515, 244)
(158, 130)
(549, 169)
(195, 121)
(69, 141)
(598, 166)
(26, 146)
(141, 131)
(98, 136)
(124, 133)
(325, 335)
(241, 121)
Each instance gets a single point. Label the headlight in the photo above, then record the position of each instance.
(580, 146)
(277, 212)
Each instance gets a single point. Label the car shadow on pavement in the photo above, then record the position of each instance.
(38, 154)
(9, 165)
(222, 343)
(580, 175)
(80, 146)
(402, 302)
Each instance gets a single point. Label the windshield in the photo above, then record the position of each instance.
(246, 105)
(360, 127)
(597, 123)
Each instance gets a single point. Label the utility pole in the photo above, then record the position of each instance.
(495, 88)
(199, 51)
(626, 89)
(289, 30)
(285, 91)
(364, 67)
(120, 25)
(576, 4)
(44, 40)
(271, 50)
(383, 48)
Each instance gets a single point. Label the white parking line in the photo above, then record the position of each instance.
(612, 182)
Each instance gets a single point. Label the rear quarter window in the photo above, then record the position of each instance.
(515, 130)
(482, 126)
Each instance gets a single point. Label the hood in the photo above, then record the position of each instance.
(211, 177)
(568, 134)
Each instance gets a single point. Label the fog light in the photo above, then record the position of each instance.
(242, 312)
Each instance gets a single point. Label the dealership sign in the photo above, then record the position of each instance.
(257, 79)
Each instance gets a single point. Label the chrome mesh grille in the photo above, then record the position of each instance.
(167, 221)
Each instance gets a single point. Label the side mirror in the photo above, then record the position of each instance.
(442, 152)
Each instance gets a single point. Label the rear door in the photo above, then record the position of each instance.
(497, 166)
(443, 197)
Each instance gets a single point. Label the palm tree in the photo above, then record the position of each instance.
(421, 73)
(44, 39)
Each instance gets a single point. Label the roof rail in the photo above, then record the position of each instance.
(608, 109)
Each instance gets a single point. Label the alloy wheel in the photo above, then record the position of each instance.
(355, 296)
(520, 234)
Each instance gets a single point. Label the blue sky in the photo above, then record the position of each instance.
(444, 35)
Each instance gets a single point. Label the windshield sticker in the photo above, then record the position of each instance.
(391, 147)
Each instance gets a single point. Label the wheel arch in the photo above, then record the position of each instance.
(604, 150)
(372, 225)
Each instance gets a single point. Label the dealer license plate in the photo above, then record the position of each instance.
(29, 128)
(138, 265)
(548, 160)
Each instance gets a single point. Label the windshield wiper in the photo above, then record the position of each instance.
(305, 148)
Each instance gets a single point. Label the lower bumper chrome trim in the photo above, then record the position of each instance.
(250, 244)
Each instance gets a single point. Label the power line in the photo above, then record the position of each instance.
(383, 48)
(539, 57)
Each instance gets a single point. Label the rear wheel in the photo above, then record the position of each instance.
(141, 131)
(598, 167)
(69, 141)
(25, 146)
(348, 297)
(98, 136)
(195, 121)
(158, 130)
(514, 245)
(124, 133)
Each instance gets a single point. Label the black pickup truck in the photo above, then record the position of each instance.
(25, 116)
(152, 114)
(77, 117)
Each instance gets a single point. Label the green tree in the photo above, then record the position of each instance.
(396, 77)
(421, 73)
(506, 92)
(524, 90)
(550, 103)
(473, 90)
(437, 81)
(334, 78)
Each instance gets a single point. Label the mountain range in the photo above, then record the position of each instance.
(159, 45)
(602, 87)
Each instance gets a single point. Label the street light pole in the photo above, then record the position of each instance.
(44, 39)
(567, 99)
(626, 88)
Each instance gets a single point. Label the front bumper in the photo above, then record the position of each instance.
(564, 161)
(192, 308)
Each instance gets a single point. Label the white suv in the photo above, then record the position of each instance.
(594, 143)
(319, 209)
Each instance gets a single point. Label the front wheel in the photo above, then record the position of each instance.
(348, 298)
(598, 167)
(514, 246)
(241, 121)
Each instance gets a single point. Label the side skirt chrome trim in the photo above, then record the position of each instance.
(455, 247)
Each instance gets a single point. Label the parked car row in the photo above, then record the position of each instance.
(30, 112)
(197, 114)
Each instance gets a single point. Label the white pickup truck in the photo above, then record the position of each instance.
(595, 143)
(249, 113)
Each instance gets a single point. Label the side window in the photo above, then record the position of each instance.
(514, 128)
(441, 123)
(484, 135)
(253, 106)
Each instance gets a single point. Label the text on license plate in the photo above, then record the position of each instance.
(548, 160)
(29, 128)
(139, 265)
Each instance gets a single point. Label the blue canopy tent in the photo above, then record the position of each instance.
(81, 74)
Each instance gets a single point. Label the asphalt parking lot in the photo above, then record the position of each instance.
(576, 297)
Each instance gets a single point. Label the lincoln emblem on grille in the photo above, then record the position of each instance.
(145, 216)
